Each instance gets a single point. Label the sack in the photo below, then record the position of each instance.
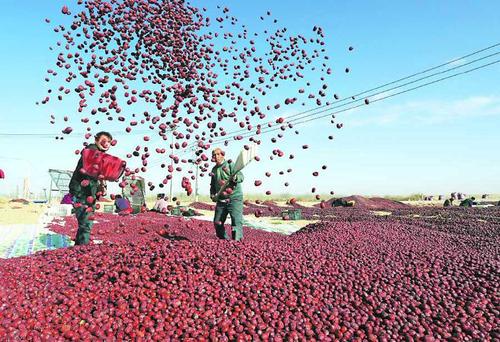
(101, 165)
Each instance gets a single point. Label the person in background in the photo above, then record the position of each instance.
(122, 205)
(67, 199)
(86, 190)
(231, 200)
(161, 204)
(468, 202)
(340, 202)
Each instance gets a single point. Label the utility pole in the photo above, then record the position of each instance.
(172, 129)
(50, 192)
(26, 188)
(197, 165)
(196, 184)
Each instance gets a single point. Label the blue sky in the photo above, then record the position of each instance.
(437, 139)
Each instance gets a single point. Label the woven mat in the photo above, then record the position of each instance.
(25, 239)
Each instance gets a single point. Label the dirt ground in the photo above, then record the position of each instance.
(19, 213)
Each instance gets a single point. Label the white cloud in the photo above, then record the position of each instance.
(426, 112)
(457, 62)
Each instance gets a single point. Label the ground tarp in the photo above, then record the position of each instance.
(25, 239)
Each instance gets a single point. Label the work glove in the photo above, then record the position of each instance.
(102, 188)
(233, 178)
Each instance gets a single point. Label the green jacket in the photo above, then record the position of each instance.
(75, 187)
(467, 203)
(222, 172)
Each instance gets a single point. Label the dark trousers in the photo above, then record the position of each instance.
(82, 216)
(235, 209)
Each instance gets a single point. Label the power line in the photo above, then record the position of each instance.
(188, 150)
(303, 116)
(405, 84)
(337, 103)
(299, 117)
(75, 135)
(392, 82)
(382, 98)
(300, 120)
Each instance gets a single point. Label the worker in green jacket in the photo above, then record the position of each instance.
(468, 202)
(230, 200)
(86, 190)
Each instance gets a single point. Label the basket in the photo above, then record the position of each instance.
(190, 212)
(293, 214)
(108, 208)
(136, 208)
(178, 211)
(98, 164)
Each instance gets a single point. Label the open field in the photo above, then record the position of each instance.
(19, 213)
(339, 277)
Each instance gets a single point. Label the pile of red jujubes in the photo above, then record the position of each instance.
(317, 211)
(353, 276)
(367, 203)
(147, 227)
(202, 206)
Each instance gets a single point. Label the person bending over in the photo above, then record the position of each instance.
(122, 205)
(161, 204)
